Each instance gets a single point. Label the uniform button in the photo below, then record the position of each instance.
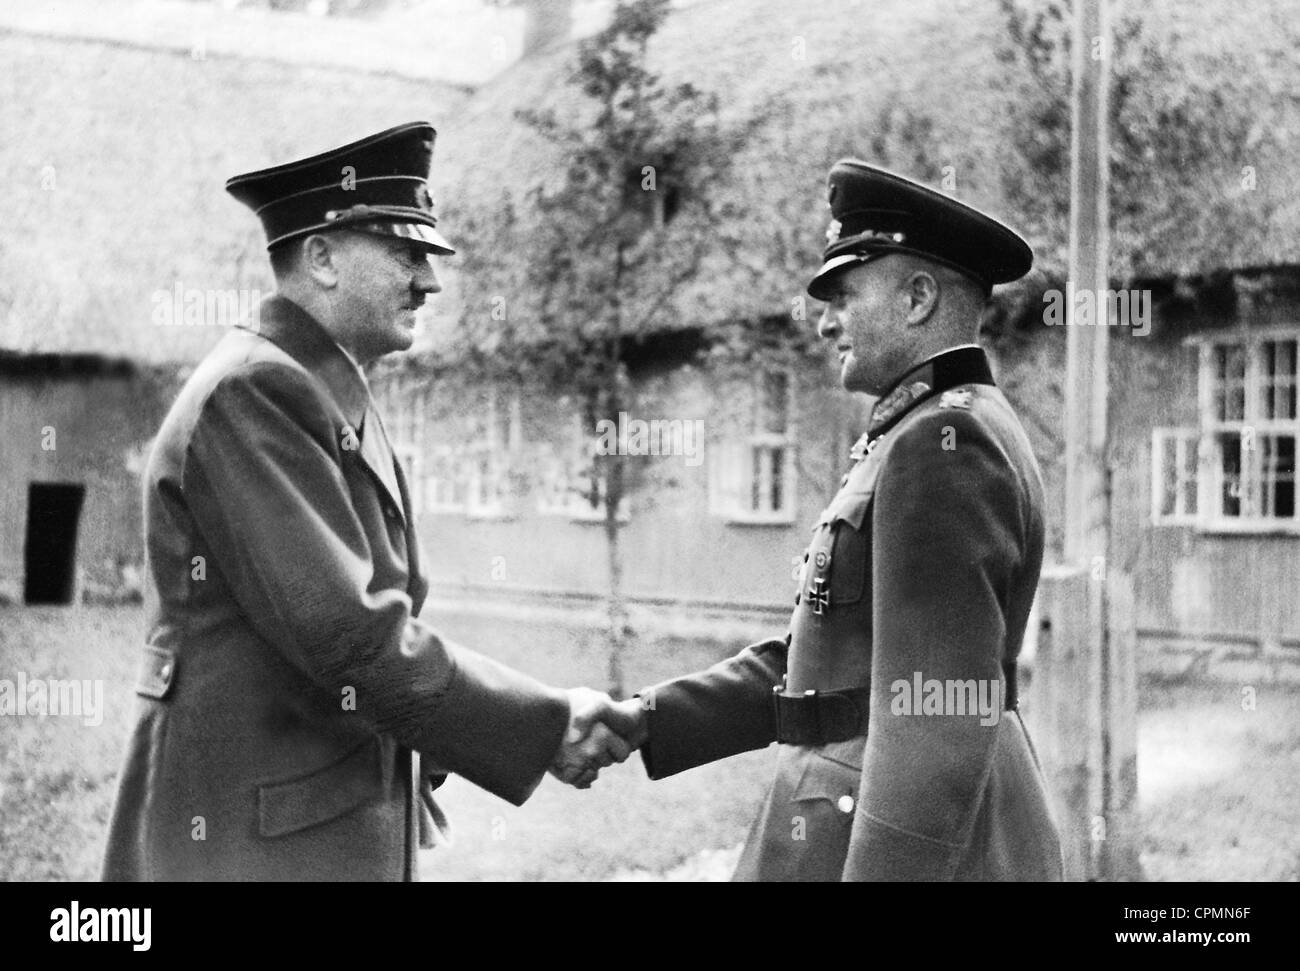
(165, 671)
(845, 804)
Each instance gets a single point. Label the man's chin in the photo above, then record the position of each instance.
(850, 380)
(393, 343)
(856, 376)
(401, 337)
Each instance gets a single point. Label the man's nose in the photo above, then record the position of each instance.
(829, 325)
(426, 278)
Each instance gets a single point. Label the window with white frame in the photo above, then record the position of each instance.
(1173, 470)
(485, 472)
(570, 481)
(486, 462)
(404, 422)
(753, 479)
(1236, 470)
(446, 487)
(472, 476)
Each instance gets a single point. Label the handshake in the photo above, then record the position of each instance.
(601, 732)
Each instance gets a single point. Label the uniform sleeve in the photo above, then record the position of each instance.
(719, 712)
(263, 480)
(948, 532)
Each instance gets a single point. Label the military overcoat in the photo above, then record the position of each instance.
(921, 572)
(291, 709)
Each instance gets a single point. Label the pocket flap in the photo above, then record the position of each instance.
(851, 504)
(831, 778)
(851, 508)
(322, 795)
(157, 672)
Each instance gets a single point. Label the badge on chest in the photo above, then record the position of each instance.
(837, 560)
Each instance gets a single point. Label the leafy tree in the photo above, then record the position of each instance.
(587, 256)
(1187, 129)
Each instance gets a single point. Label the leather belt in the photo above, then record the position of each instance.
(821, 717)
(818, 717)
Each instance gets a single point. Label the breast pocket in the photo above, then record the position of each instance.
(850, 548)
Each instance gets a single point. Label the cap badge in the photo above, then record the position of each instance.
(358, 211)
(957, 398)
(833, 231)
(882, 236)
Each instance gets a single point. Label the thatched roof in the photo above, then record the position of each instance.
(916, 85)
(139, 143)
(116, 164)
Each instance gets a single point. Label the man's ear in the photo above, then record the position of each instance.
(320, 256)
(922, 290)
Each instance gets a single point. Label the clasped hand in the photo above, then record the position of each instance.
(601, 732)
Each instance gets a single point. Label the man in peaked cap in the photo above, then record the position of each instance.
(893, 695)
(293, 713)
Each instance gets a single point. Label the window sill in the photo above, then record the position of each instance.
(489, 515)
(1291, 530)
(594, 517)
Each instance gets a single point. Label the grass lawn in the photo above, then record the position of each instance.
(1218, 784)
(57, 775)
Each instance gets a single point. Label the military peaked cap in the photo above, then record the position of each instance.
(875, 213)
(376, 185)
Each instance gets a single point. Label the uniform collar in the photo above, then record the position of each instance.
(302, 337)
(356, 365)
(965, 364)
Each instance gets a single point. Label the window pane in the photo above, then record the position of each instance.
(1230, 468)
(1168, 476)
(1268, 377)
(1279, 476)
(1188, 476)
(1230, 380)
(774, 406)
(1278, 381)
(762, 479)
(1287, 379)
(778, 473)
(1236, 404)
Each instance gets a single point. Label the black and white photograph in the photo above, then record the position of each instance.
(644, 441)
